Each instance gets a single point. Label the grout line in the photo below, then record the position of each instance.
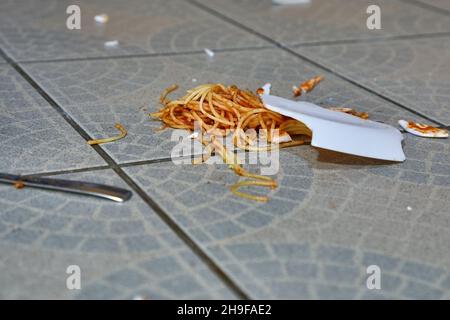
(58, 172)
(183, 235)
(143, 55)
(305, 58)
(427, 6)
(372, 40)
(144, 162)
(98, 168)
(194, 52)
(147, 199)
(121, 165)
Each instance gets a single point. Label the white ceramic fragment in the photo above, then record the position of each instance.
(209, 52)
(342, 132)
(193, 135)
(101, 18)
(281, 138)
(266, 88)
(423, 130)
(112, 43)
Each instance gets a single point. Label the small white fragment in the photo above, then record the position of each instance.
(112, 43)
(193, 135)
(194, 80)
(209, 52)
(139, 297)
(423, 130)
(101, 18)
(408, 208)
(265, 89)
(284, 137)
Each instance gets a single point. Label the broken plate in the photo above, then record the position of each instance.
(423, 130)
(339, 131)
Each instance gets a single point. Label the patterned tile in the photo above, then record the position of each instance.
(178, 275)
(270, 274)
(412, 72)
(50, 231)
(331, 217)
(33, 30)
(441, 4)
(99, 93)
(33, 136)
(330, 20)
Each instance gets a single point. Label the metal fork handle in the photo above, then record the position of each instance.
(79, 187)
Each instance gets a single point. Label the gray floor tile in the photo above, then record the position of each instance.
(350, 213)
(441, 4)
(33, 136)
(330, 20)
(42, 229)
(413, 72)
(37, 31)
(99, 93)
(331, 217)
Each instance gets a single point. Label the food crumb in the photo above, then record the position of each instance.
(306, 86)
(260, 91)
(362, 115)
(19, 185)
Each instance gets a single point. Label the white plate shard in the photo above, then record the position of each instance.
(423, 130)
(266, 88)
(342, 132)
(285, 137)
(209, 52)
(101, 18)
(112, 43)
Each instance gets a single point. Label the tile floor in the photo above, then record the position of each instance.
(183, 235)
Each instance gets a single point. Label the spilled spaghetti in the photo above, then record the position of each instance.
(229, 111)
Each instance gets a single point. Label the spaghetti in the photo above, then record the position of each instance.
(118, 126)
(227, 110)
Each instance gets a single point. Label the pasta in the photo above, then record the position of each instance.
(122, 134)
(221, 111)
